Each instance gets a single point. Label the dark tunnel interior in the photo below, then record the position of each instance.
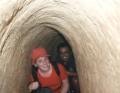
(51, 39)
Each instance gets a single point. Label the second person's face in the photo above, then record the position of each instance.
(64, 53)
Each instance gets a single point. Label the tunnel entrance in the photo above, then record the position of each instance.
(17, 47)
(51, 39)
(91, 29)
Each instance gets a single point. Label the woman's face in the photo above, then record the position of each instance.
(43, 64)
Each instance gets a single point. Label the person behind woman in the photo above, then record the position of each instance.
(65, 57)
(46, 73)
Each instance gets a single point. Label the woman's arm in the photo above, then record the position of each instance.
(65, 86)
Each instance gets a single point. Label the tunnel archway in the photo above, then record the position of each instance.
(23, 34)
(92, 30)
(20, 48)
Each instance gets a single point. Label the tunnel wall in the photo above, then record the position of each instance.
(91, 27)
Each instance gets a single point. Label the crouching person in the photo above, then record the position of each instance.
(47, 76)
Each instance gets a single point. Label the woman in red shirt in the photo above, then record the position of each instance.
(46, 73)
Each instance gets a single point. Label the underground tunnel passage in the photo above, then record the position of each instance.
(44, 36)
(91, 27)
(50, 39)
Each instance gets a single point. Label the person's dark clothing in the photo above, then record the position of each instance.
(70, 67)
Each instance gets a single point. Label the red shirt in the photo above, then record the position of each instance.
(53, 81)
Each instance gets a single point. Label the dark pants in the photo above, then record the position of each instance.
(74, 85)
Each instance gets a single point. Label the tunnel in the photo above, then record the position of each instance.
(91, 27)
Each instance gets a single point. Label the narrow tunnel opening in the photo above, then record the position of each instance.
(18, 63)
(51, 39)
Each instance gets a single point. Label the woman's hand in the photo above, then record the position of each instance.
(33, 86)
